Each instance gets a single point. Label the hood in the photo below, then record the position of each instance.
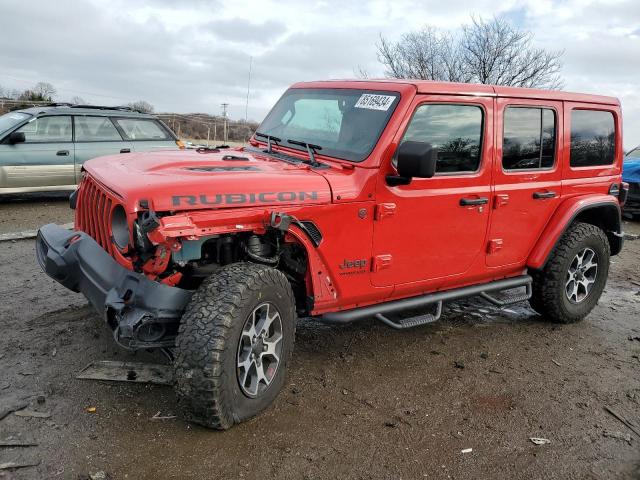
(190, 180)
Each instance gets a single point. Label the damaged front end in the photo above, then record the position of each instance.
(141, 312)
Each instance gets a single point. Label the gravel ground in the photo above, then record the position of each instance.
(28, 212)
(362, 401)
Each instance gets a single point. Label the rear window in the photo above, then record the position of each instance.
(593, 138)
(95, 129)
(142, 129)
(529, 138)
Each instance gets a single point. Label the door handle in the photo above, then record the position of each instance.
(125, 150)
(62, 153)
(470, 202)
(543, 195)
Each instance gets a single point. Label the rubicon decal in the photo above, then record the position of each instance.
(243, 198)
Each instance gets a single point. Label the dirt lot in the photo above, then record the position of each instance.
(363, 401)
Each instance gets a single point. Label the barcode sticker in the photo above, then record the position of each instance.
(375, 102)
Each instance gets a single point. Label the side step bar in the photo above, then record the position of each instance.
(379, 311)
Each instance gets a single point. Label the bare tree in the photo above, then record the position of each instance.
(491, 52)
(44, 90)
(142, 106)
(361, 72)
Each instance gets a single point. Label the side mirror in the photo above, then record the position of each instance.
(16, 137)
(415, 159)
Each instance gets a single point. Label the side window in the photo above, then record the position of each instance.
(48, 130)
(456, 130)
(593, 138)
(529, 139)
(142, 129)
(95, 129)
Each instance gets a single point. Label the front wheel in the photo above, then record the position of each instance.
(233, 346)
(570, 284)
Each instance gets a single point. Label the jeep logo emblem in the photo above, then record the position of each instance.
(348, 264)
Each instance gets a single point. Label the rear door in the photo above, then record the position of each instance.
(436, 227)
(527, 176)
(96, 136)
(45, 159)
(146, 134)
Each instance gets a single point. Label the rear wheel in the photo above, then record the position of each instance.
(570, 284)
(234, 344)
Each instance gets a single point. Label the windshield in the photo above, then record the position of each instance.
(345, 123)
(11, 119)
(633, 154)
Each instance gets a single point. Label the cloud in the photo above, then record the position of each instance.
(193, 55)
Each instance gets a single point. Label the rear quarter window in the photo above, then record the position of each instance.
(142, 129)
(593, 138)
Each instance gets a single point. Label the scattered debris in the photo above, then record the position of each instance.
(117, 371)
(466, 450)
(41, 399)
(15, 442)
(32, 414)
(556, 362)
(295, 390)
(11, 404)
(11, 465)
(617, 435)
(626, 422)
(91, 409)
(27, 234)
(157, 416)
(391, 423)
(631, 236)
(632, 338)
(458, 364)
(540, 441)
(345, 391)
(99, 476)
(493, 370)
(484, 355)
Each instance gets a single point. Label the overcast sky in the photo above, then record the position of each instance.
(192, 55)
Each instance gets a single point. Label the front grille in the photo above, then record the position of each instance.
(93, 213)
(634, 188)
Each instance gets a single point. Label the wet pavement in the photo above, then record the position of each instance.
(362, 401)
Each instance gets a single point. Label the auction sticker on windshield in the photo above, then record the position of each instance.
(371, 101)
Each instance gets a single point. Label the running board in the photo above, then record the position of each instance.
(380, 310)
(509, 299)
(411, 322)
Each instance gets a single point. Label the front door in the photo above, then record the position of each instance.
(436, 227)
(527, 177)
(45, 159)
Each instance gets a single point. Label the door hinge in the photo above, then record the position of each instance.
(381, 262)
(385, 210)
(500, 200)
(494, 246)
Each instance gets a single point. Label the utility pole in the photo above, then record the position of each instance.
(224, 116)
(246, 108)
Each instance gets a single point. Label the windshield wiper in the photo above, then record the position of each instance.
(311, 150)
(270, 138)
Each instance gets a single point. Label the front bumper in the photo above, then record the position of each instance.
(142, 313)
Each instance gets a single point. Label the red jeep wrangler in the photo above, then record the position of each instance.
(353, 200)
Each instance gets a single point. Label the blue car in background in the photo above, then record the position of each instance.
(631, 175)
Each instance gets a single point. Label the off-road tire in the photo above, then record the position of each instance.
(206, 382)
(548, 296)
